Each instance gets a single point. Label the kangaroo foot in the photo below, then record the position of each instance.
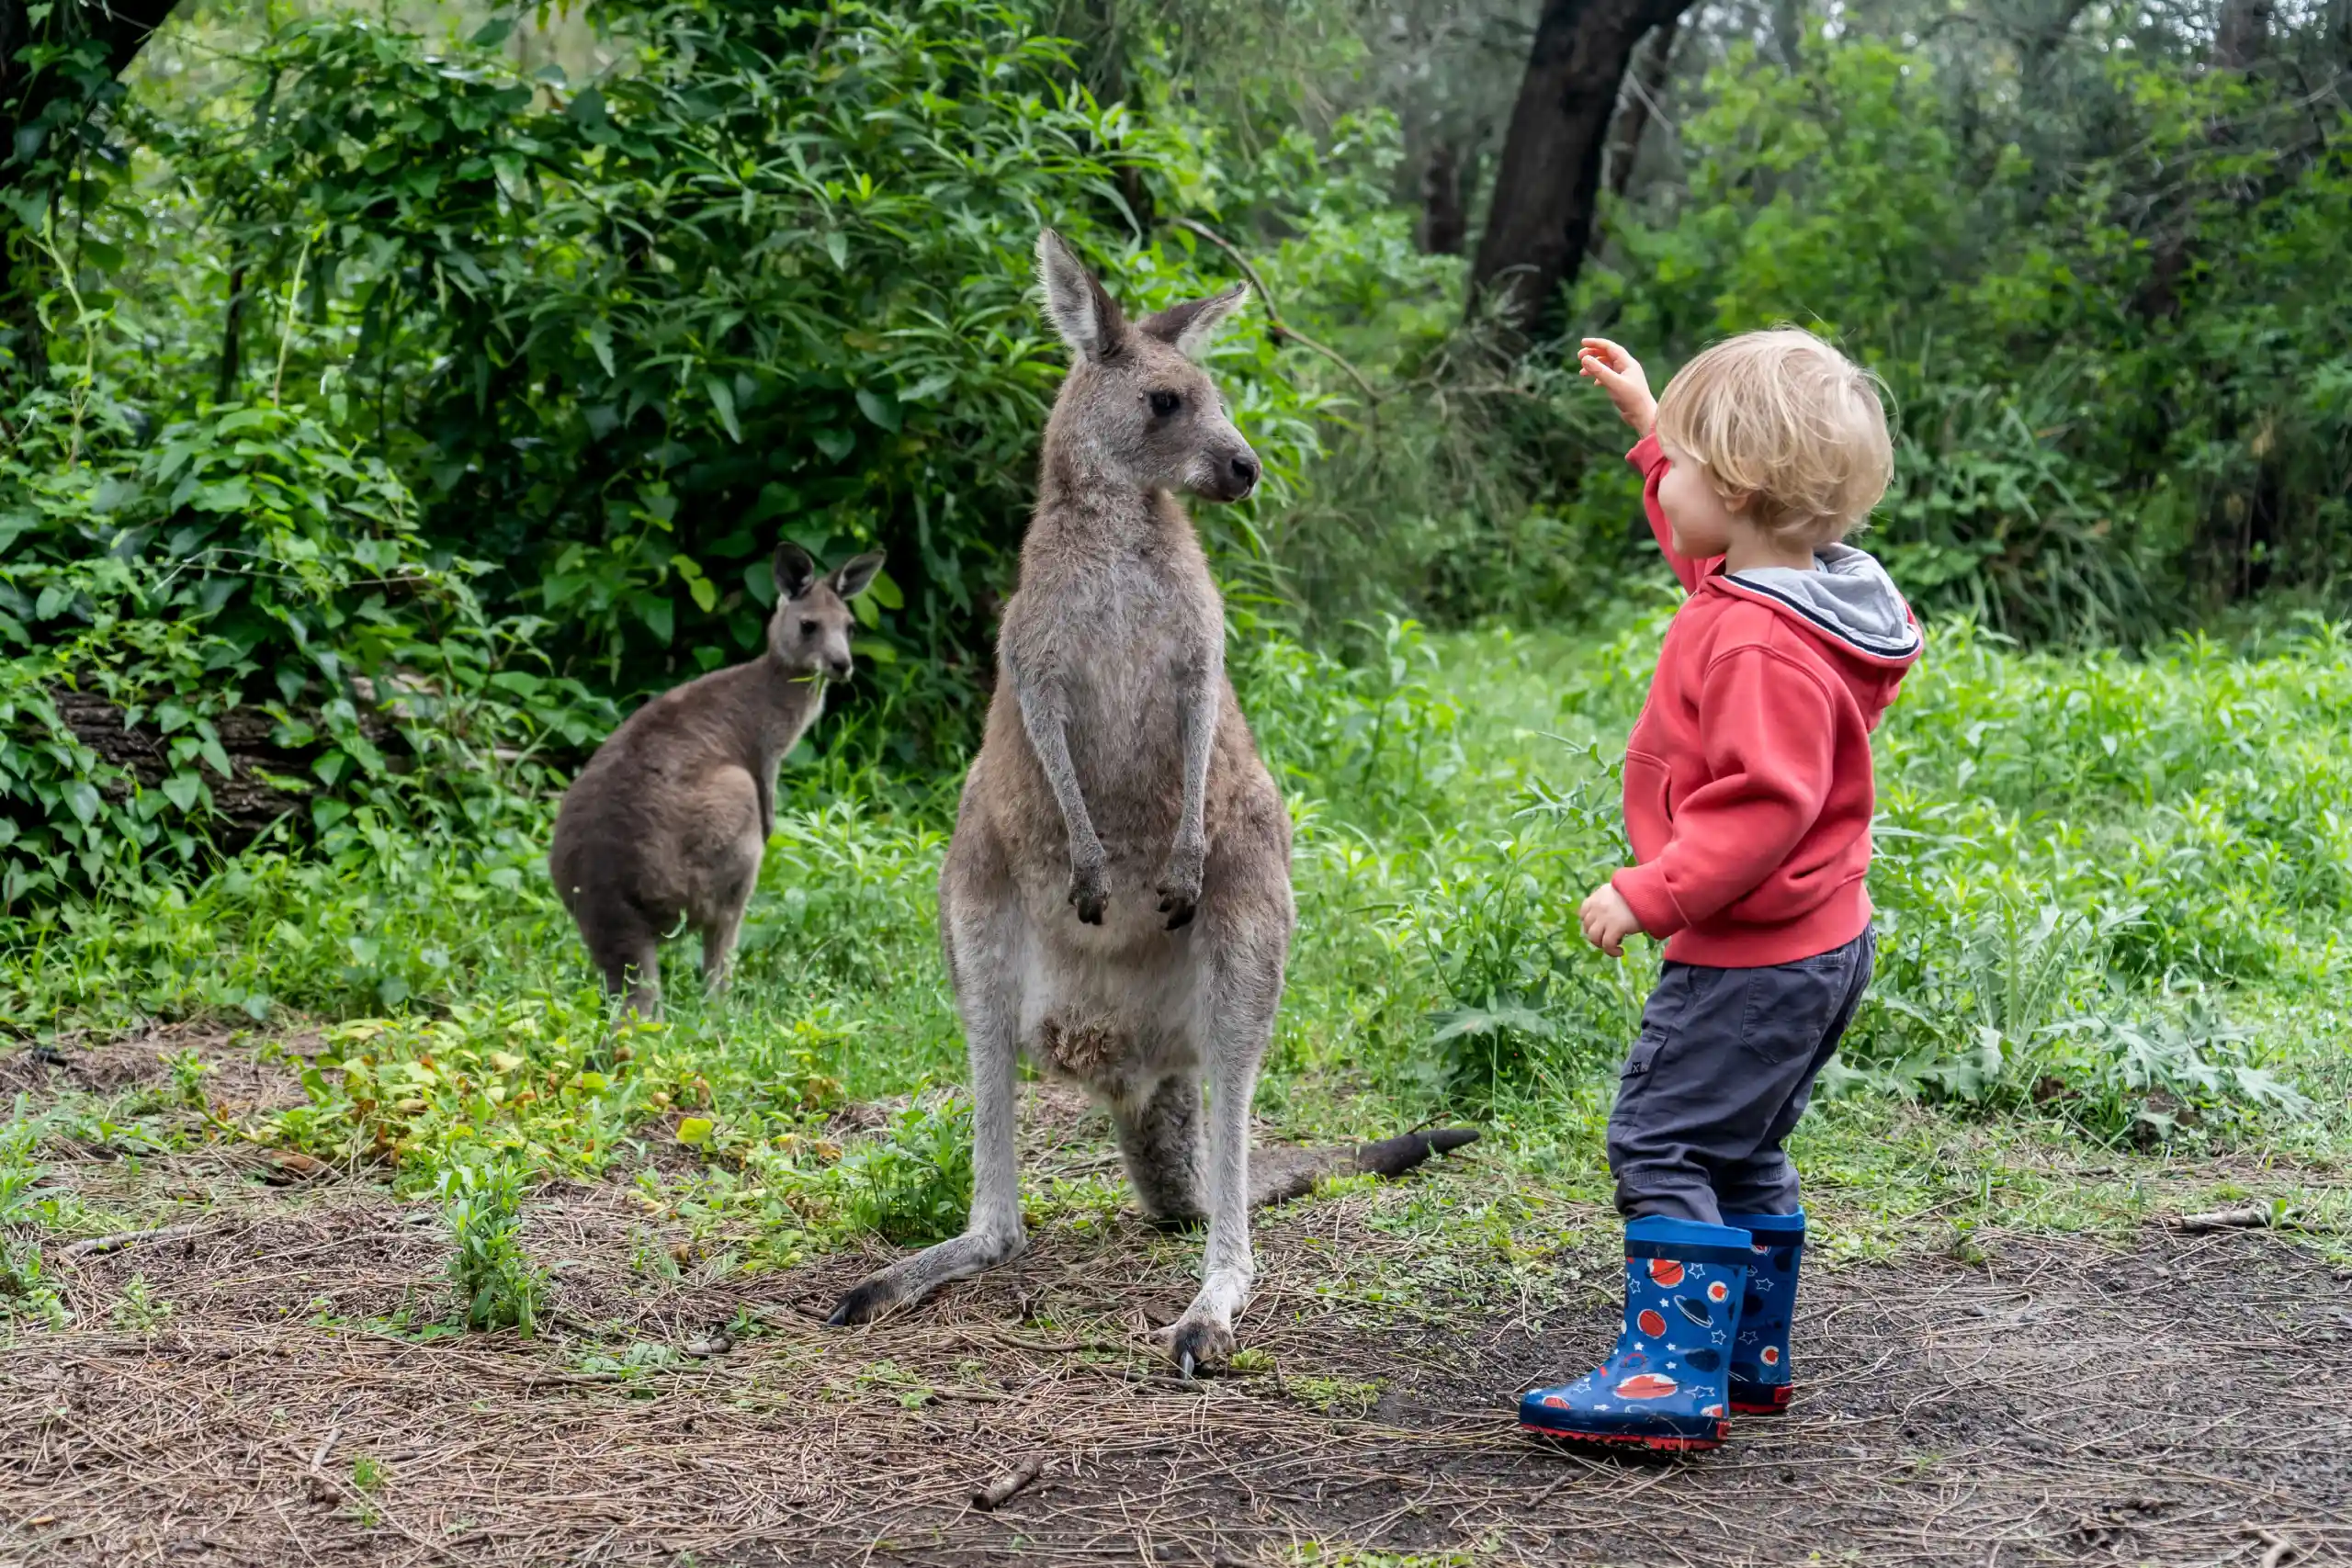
(1195, 1343)
(909, 1280)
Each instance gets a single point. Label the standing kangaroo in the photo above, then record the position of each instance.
(1116, 898)
(673, 814)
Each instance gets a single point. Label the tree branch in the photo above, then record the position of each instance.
(1274, 323)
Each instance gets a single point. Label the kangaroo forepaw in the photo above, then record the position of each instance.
(1195, 1343)
(1088, 893)
(1180, 886)
(866, 1301)
(1179, 906)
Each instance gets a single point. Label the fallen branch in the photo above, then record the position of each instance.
(326, 1446)
(99, 1246)
(2282, 1548)
(2253, 1217)
(1274, 322)
(1001, 1490)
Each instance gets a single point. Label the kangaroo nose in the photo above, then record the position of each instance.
(840, 667)
(1245, 470)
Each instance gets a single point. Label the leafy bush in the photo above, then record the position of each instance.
(497, 1285)
(249, 563)
(911, 1183)
(1376, 735)
(2115, 335)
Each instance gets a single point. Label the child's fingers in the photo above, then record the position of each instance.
(1609, 380)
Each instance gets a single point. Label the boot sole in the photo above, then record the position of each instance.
(1779, 1405)
(1633, 1440)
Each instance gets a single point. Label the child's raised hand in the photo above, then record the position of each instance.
(1608, 920)
(1619, 374)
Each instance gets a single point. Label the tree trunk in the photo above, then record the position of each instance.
(233, 331)
(2241, 40)
(1445, 216)
(1644, 86)
(1541, 218)
(244, 804)
(2243, 35)
(43, 111)
(1788, 32)
(1105, 67)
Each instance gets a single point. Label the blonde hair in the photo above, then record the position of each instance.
(1785, 418)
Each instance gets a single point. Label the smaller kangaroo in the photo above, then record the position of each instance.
(672, 816)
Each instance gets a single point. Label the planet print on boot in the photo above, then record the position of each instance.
(1667, 1385)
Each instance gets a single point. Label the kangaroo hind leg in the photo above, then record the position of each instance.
(729, 872)
(1244, 969)
(627, 952)
(983, 954)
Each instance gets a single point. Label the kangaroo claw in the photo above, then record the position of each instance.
(1184, 1366)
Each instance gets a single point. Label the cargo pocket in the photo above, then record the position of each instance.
(1639, 1060)
(1789, 1007)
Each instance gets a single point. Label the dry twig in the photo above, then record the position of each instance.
(99, 1246)
(2282, 1551)
(2254, 1216)
(1001, 1490)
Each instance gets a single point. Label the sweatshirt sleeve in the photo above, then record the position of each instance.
(1769, 735)
(1650, 458)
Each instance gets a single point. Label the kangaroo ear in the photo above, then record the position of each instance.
(854, 576)
(1086, 317)
(1190, 325)
(794, 571)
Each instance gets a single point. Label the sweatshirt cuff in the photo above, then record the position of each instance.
(1646, 453)
(1646, 893)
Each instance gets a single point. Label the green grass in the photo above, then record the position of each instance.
(2112, 890)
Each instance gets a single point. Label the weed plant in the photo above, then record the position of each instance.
(497, 1285)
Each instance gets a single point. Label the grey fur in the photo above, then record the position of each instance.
(671, 815)
(1116, 898)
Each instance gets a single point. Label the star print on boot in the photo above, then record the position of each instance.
(1667, 1385)
(1760, 1378)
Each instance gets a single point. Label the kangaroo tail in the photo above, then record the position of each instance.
(1395, 1156)
(1279, 1174)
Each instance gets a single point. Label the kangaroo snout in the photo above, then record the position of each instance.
(1231, 478)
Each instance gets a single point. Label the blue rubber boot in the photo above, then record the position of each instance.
(1760, 1381)
(1667, 1384)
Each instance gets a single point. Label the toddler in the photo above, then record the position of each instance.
(1747, 799)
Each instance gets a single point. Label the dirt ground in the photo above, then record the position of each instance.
(2179, 1402)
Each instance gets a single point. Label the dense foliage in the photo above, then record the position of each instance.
(396, 370)
(2120, 345)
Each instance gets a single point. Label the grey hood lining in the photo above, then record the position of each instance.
(1847, 595)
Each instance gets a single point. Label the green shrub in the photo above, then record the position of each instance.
(497, 1286)
(911, 1183)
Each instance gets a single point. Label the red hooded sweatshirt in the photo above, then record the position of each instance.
(1749, 789)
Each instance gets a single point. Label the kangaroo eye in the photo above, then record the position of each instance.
(1165, 403)
(809, 628)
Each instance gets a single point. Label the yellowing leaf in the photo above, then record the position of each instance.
(695, 1131)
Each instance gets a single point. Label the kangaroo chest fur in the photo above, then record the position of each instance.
(1124, 628)
(1131, 636)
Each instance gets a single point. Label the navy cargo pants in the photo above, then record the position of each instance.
(1722, 1071)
